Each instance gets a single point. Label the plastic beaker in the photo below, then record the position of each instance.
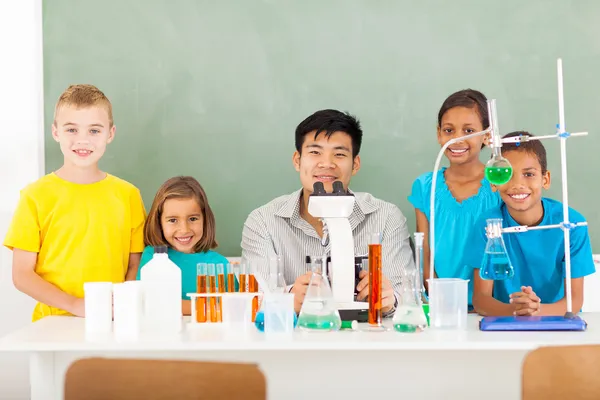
(279, 314)
(98, 302)
(448, 298)
(237, 310)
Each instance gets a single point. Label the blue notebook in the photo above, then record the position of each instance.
(532, 324)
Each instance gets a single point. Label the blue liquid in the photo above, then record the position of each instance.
(259, 321)
(496, 266)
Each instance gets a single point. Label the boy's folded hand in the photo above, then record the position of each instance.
(526, 302)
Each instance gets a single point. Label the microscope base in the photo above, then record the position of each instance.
(355, 311)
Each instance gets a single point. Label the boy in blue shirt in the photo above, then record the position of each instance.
(538, 256)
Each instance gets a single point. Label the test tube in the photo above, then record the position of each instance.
(230, 278)
(375, 280)
(212, 288)
(253, 288)
(201, 288)
(243, 277)
(221, 288)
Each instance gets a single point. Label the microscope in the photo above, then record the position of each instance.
(334, 209)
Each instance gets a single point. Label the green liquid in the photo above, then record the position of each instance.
(426, 311)
(318, 322)
(405, 328)
(498, 175)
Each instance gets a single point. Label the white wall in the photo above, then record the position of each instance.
(21, 160)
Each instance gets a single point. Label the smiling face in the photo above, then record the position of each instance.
(182, 223)
(83, 133)
(458, 122)
(326, 159)
(522, 194)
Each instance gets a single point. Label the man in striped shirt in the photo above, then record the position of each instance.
(327, 147)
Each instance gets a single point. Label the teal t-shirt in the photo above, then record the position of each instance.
(187, 263)
(453, 222)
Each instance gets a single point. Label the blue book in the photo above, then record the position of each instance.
(549, 323)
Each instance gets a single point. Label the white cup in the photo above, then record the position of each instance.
(98, 307)
(127, 310)
(448, 298)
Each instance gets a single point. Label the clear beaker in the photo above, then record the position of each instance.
(448, 298)
(318, 312)
(279, 315)
(495, 264)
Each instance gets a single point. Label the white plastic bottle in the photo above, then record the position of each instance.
(161, 280)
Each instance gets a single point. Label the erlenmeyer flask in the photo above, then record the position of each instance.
(496, 264)
(318, 312)
(409, 315)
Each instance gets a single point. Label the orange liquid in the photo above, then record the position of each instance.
(230, 283)
(201, 301)
(221, 279)
(375, 284)
(243, 282)
(212, 301)
(253, 288)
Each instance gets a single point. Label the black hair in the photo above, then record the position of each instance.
(330, 121)
(468, 98)
(534, 147)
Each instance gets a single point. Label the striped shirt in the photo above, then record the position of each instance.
(278, 229)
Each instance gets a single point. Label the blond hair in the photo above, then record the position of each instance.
(81, 96)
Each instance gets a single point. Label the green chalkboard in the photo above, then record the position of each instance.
(215, 89)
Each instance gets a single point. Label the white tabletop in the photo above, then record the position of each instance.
(68, 334)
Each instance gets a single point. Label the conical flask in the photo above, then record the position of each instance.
(318, 312)
(409, 316)
(496, 264)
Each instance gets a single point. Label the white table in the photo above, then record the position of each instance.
(430, 365)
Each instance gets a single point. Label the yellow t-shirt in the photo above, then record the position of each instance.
(81, 232)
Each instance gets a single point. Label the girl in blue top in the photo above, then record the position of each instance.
(181, 218)
(462, 192)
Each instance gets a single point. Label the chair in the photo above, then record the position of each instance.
(562, 372)
(126, 379)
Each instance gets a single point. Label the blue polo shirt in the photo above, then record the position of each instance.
(538, 256)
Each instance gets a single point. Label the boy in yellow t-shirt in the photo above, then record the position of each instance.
(77, 224)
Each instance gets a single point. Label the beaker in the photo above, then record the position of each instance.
(448, 298)
(495, 264)
(318, 312)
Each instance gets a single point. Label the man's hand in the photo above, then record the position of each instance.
(299, 289)
(526, 302)
(387, 292)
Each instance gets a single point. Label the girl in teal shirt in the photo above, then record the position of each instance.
(181, 218)
(462, 192)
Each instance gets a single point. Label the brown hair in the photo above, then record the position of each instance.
(180, 187)
(82, 96)
(533, 147)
